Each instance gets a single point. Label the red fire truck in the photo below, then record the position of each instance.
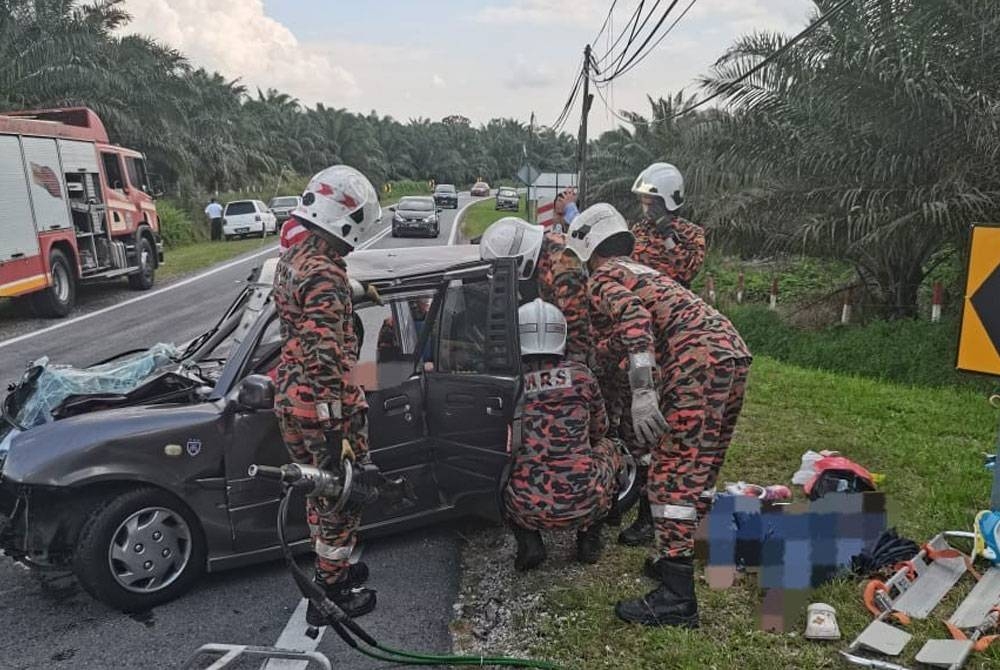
(73, 208)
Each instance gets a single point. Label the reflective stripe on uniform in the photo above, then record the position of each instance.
(330, 553)
(677, 512)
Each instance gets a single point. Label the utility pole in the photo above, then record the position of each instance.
(581, 149)
(528, 213)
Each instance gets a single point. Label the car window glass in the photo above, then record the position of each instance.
(264, 359)
(284, 202)
(392, 333)
(113, 170)
(237, 208)
(137, 173)
(462, 328)
(416, 204)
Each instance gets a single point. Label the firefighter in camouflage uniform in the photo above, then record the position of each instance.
(565, 473)
(548, 272)
(674, 247)
(687, 368)
(321, 412)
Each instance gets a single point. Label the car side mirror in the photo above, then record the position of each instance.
(392, 209)
(438, 210)
(256, 392)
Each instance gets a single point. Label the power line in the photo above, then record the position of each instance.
(564, 114)
(634, 19)
(605, 24)
(809, 30)
(608, 107)
(652, 33)
(651, 49)
(636, 30)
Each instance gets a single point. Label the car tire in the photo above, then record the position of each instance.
(57, 300)
(144, 517)
(394, 233)
(630, 486)
(144, 279)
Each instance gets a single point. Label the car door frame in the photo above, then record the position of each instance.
(473, 418)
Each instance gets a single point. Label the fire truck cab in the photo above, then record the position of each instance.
(73, 208)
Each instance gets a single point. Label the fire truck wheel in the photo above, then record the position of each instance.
(143, 279)
(58, 299)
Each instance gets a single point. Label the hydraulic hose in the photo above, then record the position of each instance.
(352, 633)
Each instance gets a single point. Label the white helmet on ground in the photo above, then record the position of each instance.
(511, 237)
(664, 181)
(343, 203)
(592, 226)
(543, 329)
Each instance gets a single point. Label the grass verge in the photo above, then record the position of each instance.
(193, 257)
(479, 217)
(928, 443)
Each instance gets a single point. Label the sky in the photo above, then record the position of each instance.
(486, 59)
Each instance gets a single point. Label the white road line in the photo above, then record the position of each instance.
(453, 237)
(294, 637)
(165, 289)
(132, 301)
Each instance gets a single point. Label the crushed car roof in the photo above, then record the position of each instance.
(376, 264)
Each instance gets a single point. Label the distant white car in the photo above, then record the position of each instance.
(248, 217)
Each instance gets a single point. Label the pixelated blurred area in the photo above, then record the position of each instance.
(791, 548)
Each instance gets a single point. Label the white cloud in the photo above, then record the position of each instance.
(528, 74)
(543, 12)
(238, 39)
(438, 81)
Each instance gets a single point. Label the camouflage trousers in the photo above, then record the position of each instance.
(554, 495)
(701, 402)
(332, 533)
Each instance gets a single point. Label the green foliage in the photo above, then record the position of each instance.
(908, 351)
(478, 217)
(405, 187)
(176, 226)
(202, 132)
(800, 280)
(874, 141)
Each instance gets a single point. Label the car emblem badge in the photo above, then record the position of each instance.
(193, 447)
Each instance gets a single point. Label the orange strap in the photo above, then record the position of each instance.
(873, 588)
(934, 555)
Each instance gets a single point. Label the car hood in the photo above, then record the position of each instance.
(89, 447)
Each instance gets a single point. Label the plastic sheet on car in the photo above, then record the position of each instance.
(56, 383)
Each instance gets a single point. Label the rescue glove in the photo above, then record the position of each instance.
(665, 227)
(647, 419)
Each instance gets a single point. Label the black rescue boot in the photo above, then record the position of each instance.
(673, 603)
(354, 601)
(357, 574)
(589, 544)
(530, 549)
(641, 530)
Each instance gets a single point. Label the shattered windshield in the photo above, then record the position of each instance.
(48, 386)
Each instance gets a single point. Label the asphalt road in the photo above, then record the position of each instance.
(49, 622)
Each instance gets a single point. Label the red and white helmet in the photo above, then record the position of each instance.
(592, 226)
(661, 180)
(343, 203)
(292, 232)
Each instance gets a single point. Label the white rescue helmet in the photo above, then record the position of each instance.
(512, 237)
(542, 328)
(661, 180)
(343, 203)
(592, 226)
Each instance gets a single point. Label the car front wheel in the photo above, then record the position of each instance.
(139, 549)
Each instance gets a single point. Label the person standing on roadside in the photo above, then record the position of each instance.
(687, 368)
(322, 412)
(214, 213)
(664, 240)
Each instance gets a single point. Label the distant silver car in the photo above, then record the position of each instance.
(507, 198)
(283, 205)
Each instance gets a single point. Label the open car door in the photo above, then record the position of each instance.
(473, 386)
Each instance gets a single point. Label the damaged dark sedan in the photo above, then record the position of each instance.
(133, 473)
